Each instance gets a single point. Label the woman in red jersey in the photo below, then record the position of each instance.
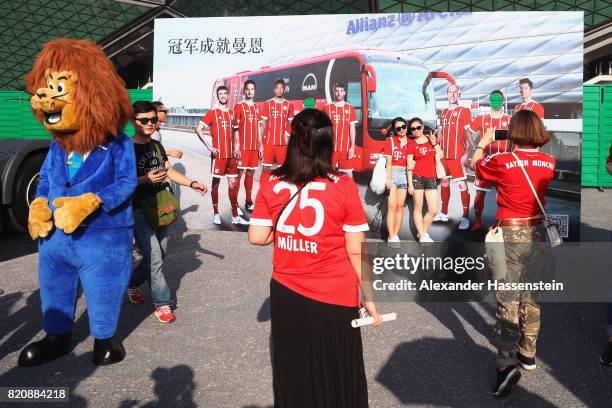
(520, 218)
(314, 216)
(396, 153)
(422, 180)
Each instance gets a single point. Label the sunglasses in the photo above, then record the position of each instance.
(145, 121)
(412, 129)
(403, 127)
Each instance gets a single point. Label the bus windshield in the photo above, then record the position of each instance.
(402, 90)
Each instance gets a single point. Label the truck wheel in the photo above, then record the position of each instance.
(24, 189)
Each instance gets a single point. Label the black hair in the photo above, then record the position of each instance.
(340, 85)
(280, 81)
(526, 81)
(394, 121)
(249, 81)
(143, 107)
(222, 88)
(411, 121)
(310, 148)
(158, 104)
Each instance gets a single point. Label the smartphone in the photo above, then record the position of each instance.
(163, 170)
(501, 134)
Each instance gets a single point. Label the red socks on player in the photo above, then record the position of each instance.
(233, 197)
(445, 193)
(248, 185)
(479, 207)
(214, 194)
(465, 203)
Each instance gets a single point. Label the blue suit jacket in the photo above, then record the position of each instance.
(109, 172)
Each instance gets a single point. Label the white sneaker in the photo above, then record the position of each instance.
(240, 213)
(441, 217)
(464, 224)
(216, 219)
(239, 220)
(426, 238)
(394, 242)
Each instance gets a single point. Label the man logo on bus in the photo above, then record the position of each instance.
(309, 83)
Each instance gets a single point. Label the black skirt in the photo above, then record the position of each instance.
(317, 357)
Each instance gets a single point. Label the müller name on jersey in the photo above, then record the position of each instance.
(289, 243)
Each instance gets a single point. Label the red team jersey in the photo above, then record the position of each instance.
(514, 196)
(532, 106)
(247, 122)
(424, 155)
(279, 117)
(309, 248)
(483, 123)
(221, 124)
(397, 151)
(453, 122)
(342, 117)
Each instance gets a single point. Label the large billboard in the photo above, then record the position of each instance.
(392, 65)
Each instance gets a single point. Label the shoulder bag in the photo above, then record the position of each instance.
(161, 209)
(554, 238)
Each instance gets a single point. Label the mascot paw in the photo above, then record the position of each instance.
(39, 219)
(71, 211)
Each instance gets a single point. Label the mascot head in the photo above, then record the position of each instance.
(77, 94)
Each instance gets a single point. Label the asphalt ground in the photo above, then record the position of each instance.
(216, 354)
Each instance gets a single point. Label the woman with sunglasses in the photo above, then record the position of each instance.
(422, 181)
(396, 153)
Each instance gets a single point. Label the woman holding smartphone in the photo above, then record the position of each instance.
(422, 180)
(396, 153)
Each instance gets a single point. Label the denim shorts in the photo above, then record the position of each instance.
(422, 183)
(399, 178)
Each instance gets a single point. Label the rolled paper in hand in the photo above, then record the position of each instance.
(366, 321)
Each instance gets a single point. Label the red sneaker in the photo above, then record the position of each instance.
(164, 314)
(476, 227)
(134, 295)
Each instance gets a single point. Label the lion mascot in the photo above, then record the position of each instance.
(82, 214)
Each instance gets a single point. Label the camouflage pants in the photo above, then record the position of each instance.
(518, 312)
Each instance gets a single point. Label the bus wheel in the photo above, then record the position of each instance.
(24, 189)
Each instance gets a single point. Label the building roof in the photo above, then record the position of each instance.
(27, 24)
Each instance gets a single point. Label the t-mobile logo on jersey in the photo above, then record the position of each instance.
(250, 117)
(275, 113)
(224, 124)
(337, 118)
(423, 150)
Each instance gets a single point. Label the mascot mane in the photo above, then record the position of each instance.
(101, 100)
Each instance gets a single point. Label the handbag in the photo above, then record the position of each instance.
(379, 175)
(552, 234)
(440, 170)
(496, 252)
(160, 209)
